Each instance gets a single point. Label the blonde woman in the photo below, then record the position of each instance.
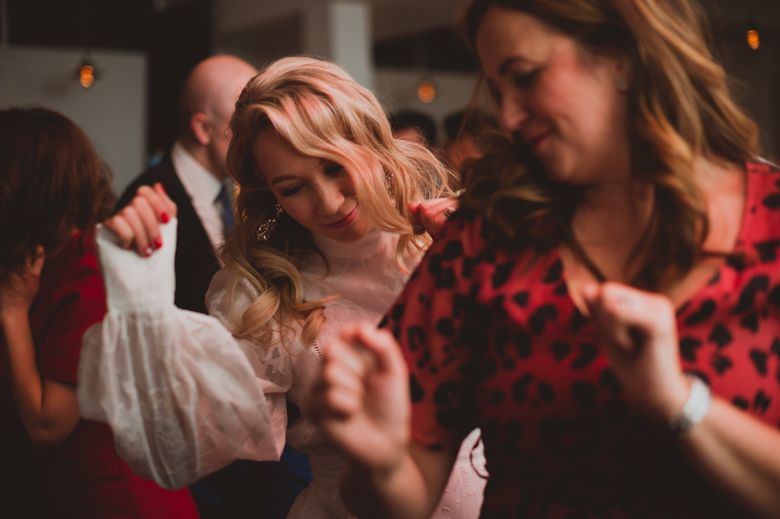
(327, 231)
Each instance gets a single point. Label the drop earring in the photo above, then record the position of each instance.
(266, 228)
(389, 182)
(621, 83)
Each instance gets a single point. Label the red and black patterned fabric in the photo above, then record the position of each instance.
(83, 477)
(493, 340)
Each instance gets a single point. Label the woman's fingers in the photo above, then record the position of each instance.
(638, 331)
(382, 347)
(628, 316)
(35, 264)
(170, 204)
(137, 225)
(340, 388)
(361, 397)
(609, 327)
(149, 220)
(119, 225)
(135, 233)
(433, 214)
(361, 354)
(156, 203)
(19, 289)
(164, 207)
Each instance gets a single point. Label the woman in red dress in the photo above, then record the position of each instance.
(604, 305)
(54, 190)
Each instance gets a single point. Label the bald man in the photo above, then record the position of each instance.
(194, 173)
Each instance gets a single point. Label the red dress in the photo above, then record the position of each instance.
(83, 477)
(493, 340)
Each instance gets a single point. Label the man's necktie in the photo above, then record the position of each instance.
(228, 217)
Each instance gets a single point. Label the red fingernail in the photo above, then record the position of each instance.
(157, 242)
(164, 218)
(148, 251)
(163, 188)
(130, 247)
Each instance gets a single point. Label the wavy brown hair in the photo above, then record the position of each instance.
(680, 108)
(323, 113)
(51, 183)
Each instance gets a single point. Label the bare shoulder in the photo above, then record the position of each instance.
(724, 188)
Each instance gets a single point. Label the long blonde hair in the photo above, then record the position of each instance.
(681, 109)
(323, 113)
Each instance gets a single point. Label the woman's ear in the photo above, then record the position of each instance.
(623, 76)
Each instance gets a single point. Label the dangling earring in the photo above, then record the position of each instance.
(266, 229)
(389, 182)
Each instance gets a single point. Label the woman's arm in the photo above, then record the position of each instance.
(179, 391)
(48, 409)
(410, 490)
(737, 452)
(361, 401)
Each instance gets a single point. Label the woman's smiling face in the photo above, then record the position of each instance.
(317, 193)
(564, 102)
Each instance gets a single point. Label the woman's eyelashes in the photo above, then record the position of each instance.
(520, 80)
(329, 170)
(333, 169)
(526, 79)
(290, 190)
(496, 95)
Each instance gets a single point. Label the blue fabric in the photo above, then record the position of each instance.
(251, 489)
(226, 202)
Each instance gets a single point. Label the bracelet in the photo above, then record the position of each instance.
(695, 409)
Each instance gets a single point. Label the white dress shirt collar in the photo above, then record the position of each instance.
(202, 187)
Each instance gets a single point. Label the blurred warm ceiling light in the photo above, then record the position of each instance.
(86, 75)
(752, 39)
(426, 91)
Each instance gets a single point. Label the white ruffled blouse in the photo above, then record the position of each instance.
(185, 397)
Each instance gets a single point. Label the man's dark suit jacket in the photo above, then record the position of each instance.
(196, 263)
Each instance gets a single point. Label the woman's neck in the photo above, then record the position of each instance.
(609, 223)
(612, 220)
(373, 239)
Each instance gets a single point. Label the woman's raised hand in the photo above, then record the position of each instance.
(137, 225)
(18, 292)
(361, 398)
(638, 330)
(433, 214)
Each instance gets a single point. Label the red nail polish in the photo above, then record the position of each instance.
(148, 251)
(163, 188)
(157, 242)
(164, 217)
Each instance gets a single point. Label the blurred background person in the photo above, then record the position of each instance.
(194, 174)
(459, 144)
(414, 126)
(54, 190)
(469, 136)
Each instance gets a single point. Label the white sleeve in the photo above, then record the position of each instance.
(179, 393)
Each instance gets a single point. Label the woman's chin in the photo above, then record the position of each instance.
(357, 230)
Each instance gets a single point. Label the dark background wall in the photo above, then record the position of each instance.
(177, 34)
(174, 39)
